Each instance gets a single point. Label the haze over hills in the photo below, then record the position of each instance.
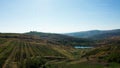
(95, 34)
(59, 38)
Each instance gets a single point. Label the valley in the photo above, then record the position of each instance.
(42, 50)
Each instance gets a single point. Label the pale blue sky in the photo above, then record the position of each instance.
(58, 16)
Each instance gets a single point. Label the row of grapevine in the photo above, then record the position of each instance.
(5, 53)
(22, 53)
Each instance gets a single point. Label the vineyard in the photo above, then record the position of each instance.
(20, 53)
(26, 51)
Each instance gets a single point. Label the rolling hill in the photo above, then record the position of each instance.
(108, 51)
(106, 55)
(96, 34)
(60, 39)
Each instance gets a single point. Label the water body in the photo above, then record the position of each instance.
(82, 47)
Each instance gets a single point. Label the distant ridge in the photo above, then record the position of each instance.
(95, 34)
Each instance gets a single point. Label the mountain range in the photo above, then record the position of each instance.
(95, 34)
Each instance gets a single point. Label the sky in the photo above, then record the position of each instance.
(58, 16)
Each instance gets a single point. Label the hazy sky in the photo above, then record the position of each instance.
(58, 16)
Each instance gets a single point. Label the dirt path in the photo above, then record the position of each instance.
(79, 61)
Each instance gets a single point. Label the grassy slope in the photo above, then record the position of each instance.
(105, 56)
(82, 65)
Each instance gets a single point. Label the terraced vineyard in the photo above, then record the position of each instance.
(19, 53)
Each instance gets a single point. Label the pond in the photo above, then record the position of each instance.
(82, 47)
